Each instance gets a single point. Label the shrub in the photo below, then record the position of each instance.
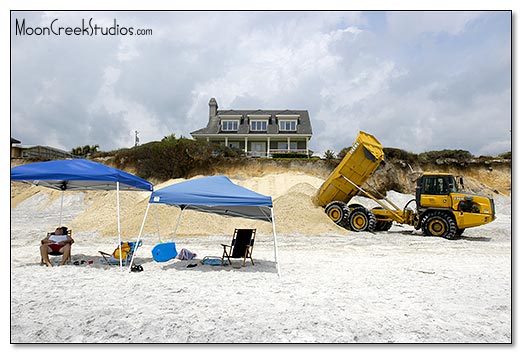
(459, 155)
(506, 155)
(398, 154)
(343, 152)
(289, 155)
(171, 157)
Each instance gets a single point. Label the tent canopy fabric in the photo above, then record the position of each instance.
(78, 174)
(216, 194)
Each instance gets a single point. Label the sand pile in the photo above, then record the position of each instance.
(291, 194)
(101, 213)
(296, 214)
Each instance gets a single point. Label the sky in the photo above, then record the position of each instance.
(416, 80)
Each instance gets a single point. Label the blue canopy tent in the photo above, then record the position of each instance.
(79, 174)
(219, 195)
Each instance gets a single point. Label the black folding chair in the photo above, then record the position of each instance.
(241, 246)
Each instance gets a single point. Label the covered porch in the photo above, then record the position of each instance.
(269, 147)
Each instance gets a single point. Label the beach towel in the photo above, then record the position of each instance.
(214, 261)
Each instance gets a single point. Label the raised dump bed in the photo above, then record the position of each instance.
(357, 166)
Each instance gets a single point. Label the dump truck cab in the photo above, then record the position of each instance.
(433, 190)
(444, 210)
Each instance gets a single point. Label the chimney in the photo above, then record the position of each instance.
(212, 108)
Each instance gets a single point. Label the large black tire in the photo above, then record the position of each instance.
(338, 212)
(383, 225)
(439, 223)
(346, 222)
(362, 219)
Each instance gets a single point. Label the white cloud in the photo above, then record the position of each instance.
(409, 25)
(127, 50)
(350, 70)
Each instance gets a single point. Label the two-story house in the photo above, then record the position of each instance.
(259, 133)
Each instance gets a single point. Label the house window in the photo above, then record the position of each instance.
(233, 144)
(284, 146)
(258, 125)
(288, 125)
(229, 125)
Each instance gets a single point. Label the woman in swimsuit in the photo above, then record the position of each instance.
(56, 243)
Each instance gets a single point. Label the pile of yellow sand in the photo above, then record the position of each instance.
(291, 194)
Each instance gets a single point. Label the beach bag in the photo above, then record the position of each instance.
(125, 249)
(185, 254)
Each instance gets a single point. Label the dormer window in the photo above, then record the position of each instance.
(288, 125)
(229, 125)
(258, 125)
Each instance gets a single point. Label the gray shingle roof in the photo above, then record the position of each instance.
(304, 125)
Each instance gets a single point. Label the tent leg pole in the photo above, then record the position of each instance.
(157, 222)
(119, 228)
(177, 224)
(139, 237)
(61, 210)
(275, 243)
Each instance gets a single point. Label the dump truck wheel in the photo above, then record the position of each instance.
(346, 221)
(383, 225)
(337, 212)
(362, 219)
(439, 224)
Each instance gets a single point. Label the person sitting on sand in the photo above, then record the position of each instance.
(56, 243)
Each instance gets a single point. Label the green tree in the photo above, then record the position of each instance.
(343, 152)
(85, 151)
(329, 155)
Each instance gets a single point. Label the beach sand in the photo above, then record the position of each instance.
(335, 286)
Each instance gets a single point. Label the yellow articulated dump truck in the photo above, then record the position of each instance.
(441, 209)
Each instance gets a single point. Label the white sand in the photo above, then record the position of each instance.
(336, 286)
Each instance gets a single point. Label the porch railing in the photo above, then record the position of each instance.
(279, 151)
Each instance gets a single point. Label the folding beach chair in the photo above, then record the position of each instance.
(127, 250)
(241, 246)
